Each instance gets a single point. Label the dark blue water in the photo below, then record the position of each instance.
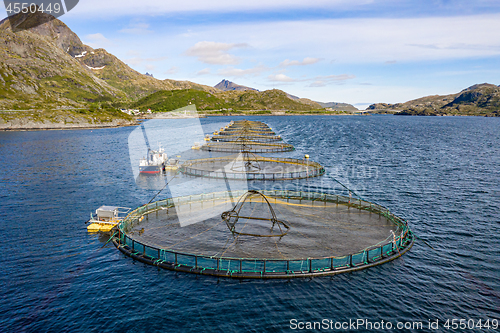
(440, 173)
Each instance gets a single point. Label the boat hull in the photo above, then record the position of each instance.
(150, 169)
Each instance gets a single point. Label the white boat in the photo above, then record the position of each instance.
(154, 163)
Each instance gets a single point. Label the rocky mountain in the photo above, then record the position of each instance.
(226, 85)
(338, 106)
(306, 101)
(477, 100)
(321, 105)
(379, 106)
(49, 67)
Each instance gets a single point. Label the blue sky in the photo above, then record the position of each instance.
(353, 51)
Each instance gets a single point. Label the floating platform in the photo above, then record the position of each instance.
(101, 227)
(106, 218)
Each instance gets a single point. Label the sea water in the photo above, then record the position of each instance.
(442, 174)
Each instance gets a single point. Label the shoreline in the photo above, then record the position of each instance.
(137, 121)
(65, 127)
(285, 115)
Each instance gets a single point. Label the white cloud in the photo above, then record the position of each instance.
(306, 61)
(215, 53)
(359, 46)
(137, 28)
(204, 71)
(138, 61)
(280, 78)
(97, 41)
(321, 81)
(318, 83)
(368, 40)
(236, 72)
(172, 70)
(341, 77)
(155, 7)
(133, 53)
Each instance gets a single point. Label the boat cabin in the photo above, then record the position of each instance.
(110, 213)
(107, 217)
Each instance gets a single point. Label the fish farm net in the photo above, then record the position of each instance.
(248, 166)
(250, 146)
(248, 124)
(238, 131)
(246, 130)
(246, 136)
(266, 234)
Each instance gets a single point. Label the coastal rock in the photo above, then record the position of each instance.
(477, 100)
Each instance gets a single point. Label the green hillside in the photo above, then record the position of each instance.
(163, 101)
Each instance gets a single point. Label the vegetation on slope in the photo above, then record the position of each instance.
(48, 67)
(163, 101)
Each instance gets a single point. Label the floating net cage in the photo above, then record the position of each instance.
(246, 136)
(248, 124)
(267, 234)
(245, 145)
(232, 132)
(246, 130)
(248, 166)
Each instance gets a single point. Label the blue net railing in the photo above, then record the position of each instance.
(214, 265)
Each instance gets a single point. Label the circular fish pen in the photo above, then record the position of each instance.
(248, 166)
(243, 132)
(262, 235)
(246, 136)
(258, 130)
(249, 146)
(238, 124)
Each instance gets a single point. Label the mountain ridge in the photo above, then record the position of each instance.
(338, 106)
(48, 66)
(226, 85)
(224, 101)
(477, 100)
